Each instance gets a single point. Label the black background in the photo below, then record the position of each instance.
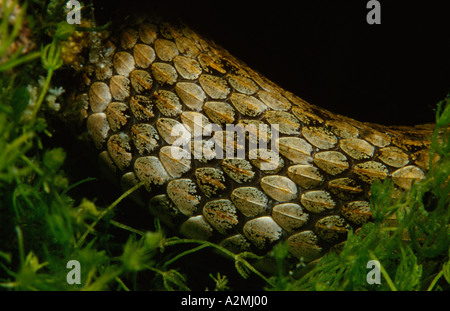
(326, 52)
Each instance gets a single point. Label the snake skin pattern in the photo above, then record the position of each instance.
(152, 77)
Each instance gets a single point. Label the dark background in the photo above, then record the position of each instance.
(326, 53)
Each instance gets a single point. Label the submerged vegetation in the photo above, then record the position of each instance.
(44, 223)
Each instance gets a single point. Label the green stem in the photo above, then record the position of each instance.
(118, 280)
(193, 250)
(106, 211)
(34, 167)
(384, 273)
(235, 257)
(21, 250)
(8, 39)
(438, 276)
(160, 272)
(20, 60)
(128, 228)
(77, 184)
(42, 95)
(185, 241)
(14, 148)
(251, 268)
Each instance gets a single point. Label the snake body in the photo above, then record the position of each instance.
(309, 187)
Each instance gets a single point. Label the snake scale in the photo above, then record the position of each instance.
(156, 101)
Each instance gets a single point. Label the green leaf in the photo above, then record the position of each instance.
(408, 272)
(137, 255)
(54, 159)
(64, 30)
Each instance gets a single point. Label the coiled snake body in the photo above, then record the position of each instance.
(148, 87)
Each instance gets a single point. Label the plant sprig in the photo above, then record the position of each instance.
(7, 37)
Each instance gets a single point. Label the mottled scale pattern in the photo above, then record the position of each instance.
(168, 91)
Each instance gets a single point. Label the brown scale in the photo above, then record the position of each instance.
(155, 77)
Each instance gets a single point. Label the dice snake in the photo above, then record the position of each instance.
(224, 153)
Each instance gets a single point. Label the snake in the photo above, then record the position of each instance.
(157, 103)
